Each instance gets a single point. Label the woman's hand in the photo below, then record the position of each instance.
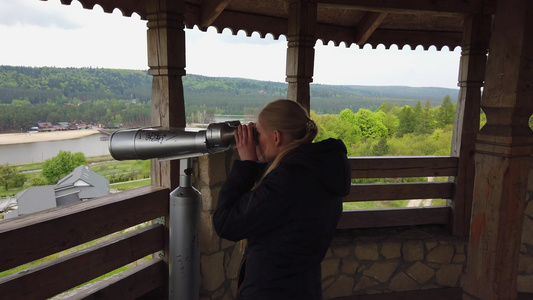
(244, 140)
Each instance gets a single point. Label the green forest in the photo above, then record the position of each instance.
(372, 121)
(391, 129)
(122, 97)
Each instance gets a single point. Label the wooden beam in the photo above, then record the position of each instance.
(130, 284)
(399, 191)
(44, 233)
(452, 7)
(503, 156)
(402, 166)
(367, 26)
(301, 52)
(389, 37)
(471, 74)
(376, 218)
(277, 26)
(63, 273)
(166, 59)
(413, 38)
(210, 10)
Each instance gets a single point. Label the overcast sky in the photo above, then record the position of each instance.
(47, 33)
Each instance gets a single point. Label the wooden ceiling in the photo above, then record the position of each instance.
(412, 23)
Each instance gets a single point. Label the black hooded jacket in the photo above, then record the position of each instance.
(289, 219)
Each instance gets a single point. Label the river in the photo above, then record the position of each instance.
(93, 145)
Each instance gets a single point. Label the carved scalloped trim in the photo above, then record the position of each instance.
(89, 4)
(248, 33)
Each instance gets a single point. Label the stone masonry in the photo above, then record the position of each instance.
(360, 261)
(375, 261)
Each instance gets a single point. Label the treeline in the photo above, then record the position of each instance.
(114, 97)
(21, 115)
(63, 85)
(392, 130)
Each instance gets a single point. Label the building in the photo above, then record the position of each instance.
(82, 184)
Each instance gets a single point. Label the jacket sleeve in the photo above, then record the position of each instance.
(242, 212)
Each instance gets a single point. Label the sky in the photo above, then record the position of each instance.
(46, 33)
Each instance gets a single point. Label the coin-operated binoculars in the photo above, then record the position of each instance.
(171, 143)
(185, 200)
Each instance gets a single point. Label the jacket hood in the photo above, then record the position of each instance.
(327, 161)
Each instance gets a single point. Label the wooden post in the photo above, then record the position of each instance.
(503, 156)
(301, 52)
(471, 74)
(166, 59)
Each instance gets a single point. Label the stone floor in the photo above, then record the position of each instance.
(433, 294)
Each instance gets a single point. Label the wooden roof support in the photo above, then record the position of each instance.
(367, 26)
(210, 10)
(471, 74)
(414, 6)
(301, 52)
(166, 59)
(503, 157)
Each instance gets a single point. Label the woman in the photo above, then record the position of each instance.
(285, 197)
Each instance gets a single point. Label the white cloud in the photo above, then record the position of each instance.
(91, 43)
(34, 13)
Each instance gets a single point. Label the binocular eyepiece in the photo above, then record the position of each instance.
(171, 143)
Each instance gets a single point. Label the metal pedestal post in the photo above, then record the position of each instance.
(184, 234)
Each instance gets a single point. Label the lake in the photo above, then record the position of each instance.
(93, 145)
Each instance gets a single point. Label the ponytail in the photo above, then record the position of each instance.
(292, 120)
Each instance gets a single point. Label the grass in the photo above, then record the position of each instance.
(131, 173)
(124, 186)
(387, 204)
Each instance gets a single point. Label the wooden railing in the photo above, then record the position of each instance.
(28, 238)
(395, 167)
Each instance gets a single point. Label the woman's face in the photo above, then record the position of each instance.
(268, 146)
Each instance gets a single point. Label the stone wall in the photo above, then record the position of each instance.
(374, 261)
(362, 261)
(220, 259)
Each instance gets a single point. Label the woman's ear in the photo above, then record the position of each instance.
(277, 138)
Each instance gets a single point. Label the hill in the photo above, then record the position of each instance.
(229, 95)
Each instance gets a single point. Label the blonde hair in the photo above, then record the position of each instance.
(292, 120)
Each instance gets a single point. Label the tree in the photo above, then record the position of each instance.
(381, 148)
(446, 112)
(407, 121)
(61, 165)
(391, 122)
(423, 118)
(370, 123)
(10, 177)
(38, 181)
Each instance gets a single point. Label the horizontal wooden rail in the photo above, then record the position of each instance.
(374, 218)
(54, 277)
(400, 191)
(403, 166)
(130, 284)
(399, 167)
(44, 233)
